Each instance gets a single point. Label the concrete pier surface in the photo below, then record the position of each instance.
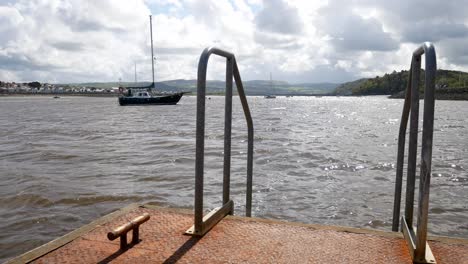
(233, 240)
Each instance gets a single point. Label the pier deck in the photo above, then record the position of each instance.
(233, 240)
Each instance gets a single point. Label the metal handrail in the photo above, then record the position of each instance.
(204, 224)
(417, 242)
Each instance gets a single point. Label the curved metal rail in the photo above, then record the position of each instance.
(419, 249)
(204, 224)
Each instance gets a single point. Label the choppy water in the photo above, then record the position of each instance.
(67, 161)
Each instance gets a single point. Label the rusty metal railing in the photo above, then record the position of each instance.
(416, 238)
(204, 224)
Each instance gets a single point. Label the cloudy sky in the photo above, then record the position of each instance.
(295, 40)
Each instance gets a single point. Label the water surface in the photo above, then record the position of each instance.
(67, 161)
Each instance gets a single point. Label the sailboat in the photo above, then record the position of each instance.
(144, 95)
(270, 96)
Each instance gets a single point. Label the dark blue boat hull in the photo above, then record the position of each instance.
(159, 100)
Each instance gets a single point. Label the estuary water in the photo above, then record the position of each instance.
(329, 160)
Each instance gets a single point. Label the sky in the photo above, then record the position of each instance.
(64, 41)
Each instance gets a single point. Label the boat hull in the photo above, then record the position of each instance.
(158, 100)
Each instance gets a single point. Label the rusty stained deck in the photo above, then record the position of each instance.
(233, 240)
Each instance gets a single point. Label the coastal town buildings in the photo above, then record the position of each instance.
(46, 88)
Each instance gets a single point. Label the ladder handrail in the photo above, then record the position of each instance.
(411, 108)
(203, 224)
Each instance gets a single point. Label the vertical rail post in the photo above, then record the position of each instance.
(426, 153)
(401, 156)
(200, 141)
(203, 224)
(417, 238)
(227, 130)
(413, 139)
(250, 140)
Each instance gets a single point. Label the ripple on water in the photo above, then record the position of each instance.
(343, 167)
(25, 200)
(381, 179)
(378, 224)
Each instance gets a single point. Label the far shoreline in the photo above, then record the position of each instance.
(438, 96)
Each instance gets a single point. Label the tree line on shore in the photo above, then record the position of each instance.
(396, 82)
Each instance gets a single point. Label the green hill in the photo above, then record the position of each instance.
(390, 84)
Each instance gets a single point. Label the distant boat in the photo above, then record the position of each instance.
(56, 97)
(270, 96)
(145, 95)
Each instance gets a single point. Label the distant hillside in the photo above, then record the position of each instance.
(263, 87)
(254, 87)
(394, 83)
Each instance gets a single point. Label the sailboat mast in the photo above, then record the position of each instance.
(271, 82)
(135, 74)
(152, 56)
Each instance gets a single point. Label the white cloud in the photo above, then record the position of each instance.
(9, 18)
(279, 17)
(296, 40)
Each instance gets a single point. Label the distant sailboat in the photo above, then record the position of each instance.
(270, 96)
(143, 95)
